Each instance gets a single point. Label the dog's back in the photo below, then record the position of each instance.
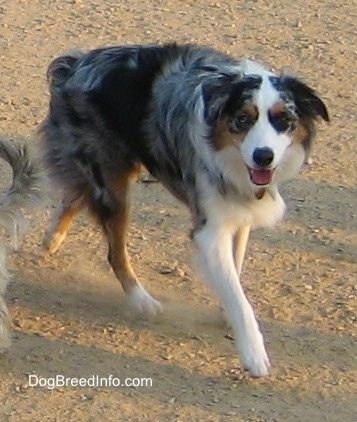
(102, 107)
(98, 103)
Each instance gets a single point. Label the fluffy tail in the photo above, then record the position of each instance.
(25, 188)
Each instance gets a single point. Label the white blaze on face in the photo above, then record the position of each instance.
(263, 134)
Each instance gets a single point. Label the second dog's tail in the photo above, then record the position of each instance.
(25, 187)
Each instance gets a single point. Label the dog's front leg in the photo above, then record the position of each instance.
(216, 261)
(240, 240)
(239, 247)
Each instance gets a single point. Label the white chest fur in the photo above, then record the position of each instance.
(231, 212)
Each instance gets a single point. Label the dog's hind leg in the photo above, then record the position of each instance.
(239, 247)
(115, 228)
(61, 222)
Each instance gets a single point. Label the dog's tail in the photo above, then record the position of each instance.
(61, 67)
(25, 187)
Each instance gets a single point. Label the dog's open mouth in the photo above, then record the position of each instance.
(261, 177)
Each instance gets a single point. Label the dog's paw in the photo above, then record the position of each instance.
(141, 301)
(258, 364)
(254, 356)
(53, 241)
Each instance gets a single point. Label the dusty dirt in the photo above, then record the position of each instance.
(69, 313)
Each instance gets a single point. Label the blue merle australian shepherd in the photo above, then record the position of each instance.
(220, 134)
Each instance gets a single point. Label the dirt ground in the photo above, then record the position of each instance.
(69, 313)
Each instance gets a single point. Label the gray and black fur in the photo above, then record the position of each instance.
(157, 105)
(113, 110)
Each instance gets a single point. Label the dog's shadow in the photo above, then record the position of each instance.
(81, 303)
(298, 352)
(106, 308)
(75, 300)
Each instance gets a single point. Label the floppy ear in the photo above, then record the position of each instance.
(216, 91)
(224, 93)
(307, 102)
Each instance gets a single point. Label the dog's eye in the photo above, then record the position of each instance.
(282, 122)
(240, 123)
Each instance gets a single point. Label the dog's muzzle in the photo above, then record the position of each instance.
(262, 174)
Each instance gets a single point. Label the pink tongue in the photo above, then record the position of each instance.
(261, 177)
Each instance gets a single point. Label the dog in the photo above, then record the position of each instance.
(25, 189)
(220, 134)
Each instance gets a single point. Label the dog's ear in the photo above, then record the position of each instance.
(307, 101)
(226, 93)
(216, 91)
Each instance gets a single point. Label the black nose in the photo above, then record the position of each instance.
(263, 156)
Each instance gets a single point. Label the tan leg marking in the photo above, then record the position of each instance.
(61, 222)
(115, 229)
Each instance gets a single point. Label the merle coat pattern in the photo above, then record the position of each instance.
(220, 134)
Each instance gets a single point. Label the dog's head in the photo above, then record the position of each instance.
(263, 121)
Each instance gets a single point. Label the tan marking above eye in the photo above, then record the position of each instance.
(278, 108)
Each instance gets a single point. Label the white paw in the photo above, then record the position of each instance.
(53, 241)
(254, 356)
(258, 365)
(142, 302)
